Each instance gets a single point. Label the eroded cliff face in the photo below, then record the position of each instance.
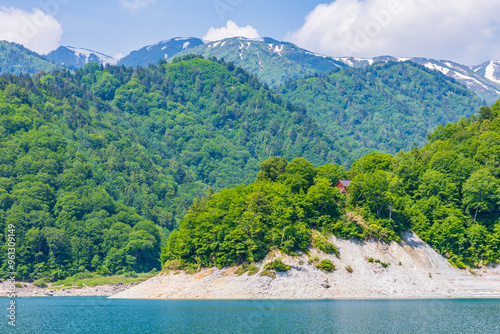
(414, 270)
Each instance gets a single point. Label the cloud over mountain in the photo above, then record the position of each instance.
(230, 30)
(445, 29)
(35, 30)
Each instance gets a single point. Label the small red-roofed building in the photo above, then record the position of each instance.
(343, 186)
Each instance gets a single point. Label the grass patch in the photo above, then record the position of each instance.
(322, 244)
(94, 279)
(268, 273)
(277, 265)
(312, 260)
(41, 283)
(326, 266)
(173, 265)
(383, 264)
(251, 269)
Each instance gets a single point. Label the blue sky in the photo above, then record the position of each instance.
(465, 31)
(108, 26)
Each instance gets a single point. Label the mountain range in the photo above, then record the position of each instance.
(273, 62)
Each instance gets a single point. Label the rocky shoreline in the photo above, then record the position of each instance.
(30, 290)
(412, 269)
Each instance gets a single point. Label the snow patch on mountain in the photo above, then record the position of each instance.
(491, 69)
(441, 69)
(86, 56)
(469, 81)
(278, 49)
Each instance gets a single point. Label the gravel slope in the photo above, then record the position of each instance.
(415, 271)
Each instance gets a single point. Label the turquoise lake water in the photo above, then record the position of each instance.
(100, 315)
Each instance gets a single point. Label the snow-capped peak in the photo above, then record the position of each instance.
(87, 56)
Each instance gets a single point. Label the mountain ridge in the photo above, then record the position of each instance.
(275, 62)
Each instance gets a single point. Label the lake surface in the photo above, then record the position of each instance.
(100, 315)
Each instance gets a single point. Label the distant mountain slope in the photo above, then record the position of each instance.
(71, 57)
(484, 79)
(152, 54)
(386, 107)
(271, 61)
(16, 59)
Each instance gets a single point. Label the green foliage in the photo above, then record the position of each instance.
(93, 279)
(242, 224)
(268, 273)
(251, 269)
(349, 269)
(277, 265)
(16, 59)
(326, 265)
(322, 244)
(383, 264)
(41, 283)
(385, 107)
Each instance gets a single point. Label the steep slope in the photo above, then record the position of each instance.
(386, 106)
(91, 159)
(483, 80)
(16, 59)
(271, 61)
(71, 57)
(152, 54)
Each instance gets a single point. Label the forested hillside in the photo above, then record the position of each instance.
(385, 107)
(98, 165)
(16, 59)
(448, 192)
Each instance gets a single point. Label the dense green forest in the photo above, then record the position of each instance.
(16, 59)
(97, 166)
(448, 192)
(385, 107)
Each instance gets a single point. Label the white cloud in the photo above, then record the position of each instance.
(230, 30)
(461, 30)
(134, 5)
(37, 30)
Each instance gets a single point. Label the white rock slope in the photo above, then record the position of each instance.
(422, 274)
